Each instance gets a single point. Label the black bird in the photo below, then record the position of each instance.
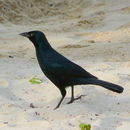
(61, 71)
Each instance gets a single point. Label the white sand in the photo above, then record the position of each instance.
(95, 34)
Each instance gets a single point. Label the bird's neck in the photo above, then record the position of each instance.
(44, 45)
(41, 43)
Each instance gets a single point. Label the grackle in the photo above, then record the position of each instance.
(61, 71)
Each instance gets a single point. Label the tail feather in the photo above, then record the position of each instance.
(105, 84)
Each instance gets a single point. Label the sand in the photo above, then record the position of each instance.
(94, 34)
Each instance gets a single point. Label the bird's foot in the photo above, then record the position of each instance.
(56, 107)
(73, 99)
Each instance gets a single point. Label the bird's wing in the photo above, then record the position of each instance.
(69, 69)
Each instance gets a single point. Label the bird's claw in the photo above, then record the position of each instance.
(73, 99)
(56, 107)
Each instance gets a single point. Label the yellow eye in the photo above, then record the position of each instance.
(31, 34)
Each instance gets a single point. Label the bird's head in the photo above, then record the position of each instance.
(38, 38)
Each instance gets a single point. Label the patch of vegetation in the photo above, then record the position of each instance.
(85, 126)
(35, 80)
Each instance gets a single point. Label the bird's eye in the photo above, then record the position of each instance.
(31, 34)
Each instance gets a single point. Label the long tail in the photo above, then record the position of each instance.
(107, 85)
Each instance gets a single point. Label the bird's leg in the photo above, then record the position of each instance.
(72, 96)
(63, 93)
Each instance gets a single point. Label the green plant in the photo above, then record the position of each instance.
(85, 126)
(35, 80)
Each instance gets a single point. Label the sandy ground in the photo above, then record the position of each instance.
(94, 34)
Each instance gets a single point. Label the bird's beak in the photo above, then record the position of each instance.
(25, 34)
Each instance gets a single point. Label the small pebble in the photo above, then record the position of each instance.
(37, 113)
(32, 106)
(5, 122)
(96, 115)
(11, 57)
